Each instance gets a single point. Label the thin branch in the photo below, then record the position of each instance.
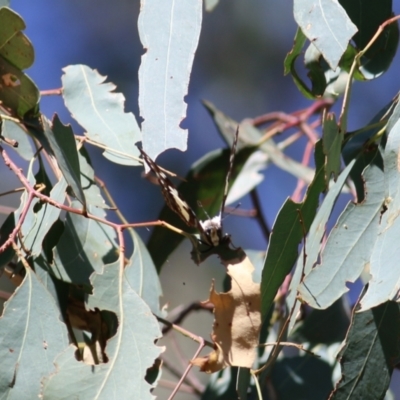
(257, 205)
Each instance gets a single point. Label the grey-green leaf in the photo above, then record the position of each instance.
(384, 268)
(326, 25)
(169, 31)
(349, 246)
(313, 242)
(12, 130)
(100, 111)
(130, 352)
(32, 335)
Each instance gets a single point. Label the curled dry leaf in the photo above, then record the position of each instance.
(237, 320)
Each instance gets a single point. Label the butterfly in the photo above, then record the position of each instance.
(211, 229)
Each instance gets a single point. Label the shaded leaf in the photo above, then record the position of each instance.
(169, 31)
(316, 73)
(299, 42)
(5, 231)
(368, 16)
(323, 327)
(287, 232)
(85, 246)
(31, 335)
(15, 47)
(348, 248)
(41, 217)
(326, 25)
(99, 110)
(14, 131)
(370, 351)
(332, 139)
(63, 144)
(302, 377)
(91, 190)
(18, 92)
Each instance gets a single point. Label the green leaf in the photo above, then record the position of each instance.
(368, 16)
(302, 377)
(63, 143)
(327, 26)
(5, 231)
(100, 111)
(326, 326)
(287, 233)
(14, 131)
(41, 217)
(290, 64)
(91, 190)
(313, 242)
(243, 383)
(169, 32)
(358, 145)
(348, 248)
(299, 42)
(130, 352)
(316, 73)
(371, 350)
(85, 246)
(332, 139)
(18, 92)
(32, 335)
(15, 47)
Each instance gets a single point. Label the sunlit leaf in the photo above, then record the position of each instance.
(326, 25)
(100, 110)
(384, 269)
(169, 31)
(32, 334)
(349, 246)
(130, 352)
(313, 242)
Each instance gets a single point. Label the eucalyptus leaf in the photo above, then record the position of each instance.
(169, 31)
(96, 107)
(326, 25)
(32, 335)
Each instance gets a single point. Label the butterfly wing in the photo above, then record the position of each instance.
(173, 199)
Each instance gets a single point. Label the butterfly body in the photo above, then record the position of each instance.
(211, 229)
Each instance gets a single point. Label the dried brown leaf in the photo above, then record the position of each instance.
(237, 320)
